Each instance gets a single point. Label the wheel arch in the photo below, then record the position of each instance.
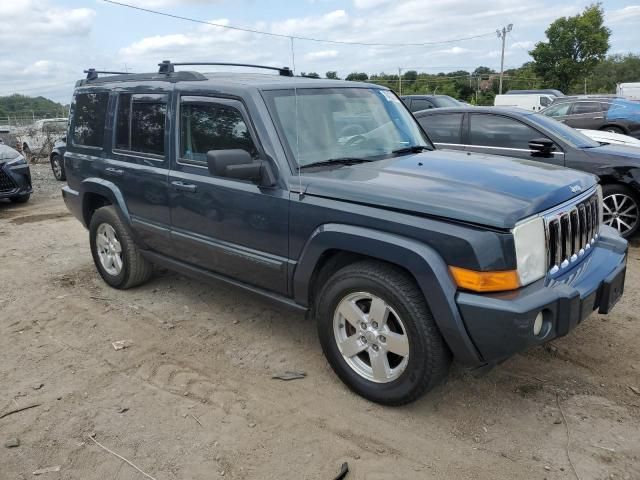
(98, 193)
(333, 246)
(624, 129)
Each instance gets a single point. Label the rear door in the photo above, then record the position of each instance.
(139, 164)
(232, 227)
(586, 114)
(502, 135)
(444, 130)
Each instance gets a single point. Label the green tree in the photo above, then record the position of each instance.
(310, 75)
(332, 75)
(575, 46)
(357, 77)
(613, 70)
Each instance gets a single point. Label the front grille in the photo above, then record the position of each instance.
(572, 230)
(6, 183)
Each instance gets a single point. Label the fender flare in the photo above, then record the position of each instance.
(107, 189)
(423, 262)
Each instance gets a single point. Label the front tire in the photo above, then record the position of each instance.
(378, 334)
(115, 254)
(621, 209)
(613, 129)
(20, 199)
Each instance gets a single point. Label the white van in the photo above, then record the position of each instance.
(630, 91)
(527, 101)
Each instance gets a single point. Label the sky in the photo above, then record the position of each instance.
(46, 44)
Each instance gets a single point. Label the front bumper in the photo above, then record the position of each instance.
(501, 325)
(15, 180)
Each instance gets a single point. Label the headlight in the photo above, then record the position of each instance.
(531, 250)
(19, 160)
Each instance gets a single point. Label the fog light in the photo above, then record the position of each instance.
(537, 324)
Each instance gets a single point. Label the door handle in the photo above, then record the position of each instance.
(114, 172)
(184, 187)
(598, 118)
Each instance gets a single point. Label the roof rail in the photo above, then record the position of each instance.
(168, 67)
(92, 73)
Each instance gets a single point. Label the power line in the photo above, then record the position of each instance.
(281, 35)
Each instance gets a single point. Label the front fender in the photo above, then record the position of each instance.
(423, 262)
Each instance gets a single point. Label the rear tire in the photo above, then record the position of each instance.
(621, 209)
(117, 257)
(614, 130)
(394, 360)
(57, 166)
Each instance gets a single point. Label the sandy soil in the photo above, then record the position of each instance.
(193, 398)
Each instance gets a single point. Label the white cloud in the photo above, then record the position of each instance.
(322, 54)
(630, 13)
(369, 3)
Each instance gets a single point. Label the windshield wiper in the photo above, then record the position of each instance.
(411, 149)
(336, 161)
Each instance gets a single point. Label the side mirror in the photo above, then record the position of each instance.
(542, 146)
(237, 163)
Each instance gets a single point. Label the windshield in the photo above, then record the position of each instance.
(320, 124)
(442, 101)
(566, 133)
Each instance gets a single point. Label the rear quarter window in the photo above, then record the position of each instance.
(90, 111)
(442, 128)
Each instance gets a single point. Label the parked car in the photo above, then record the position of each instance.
(15, 176)
(630, 91)
(604, 137)
(516, 133)
(424, 102)
(56, 158)
(404, 255)
(534, 102)
(38, 139)
(598, 113)
(545, 91)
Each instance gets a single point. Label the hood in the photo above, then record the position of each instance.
(7, 153)
(487, 190)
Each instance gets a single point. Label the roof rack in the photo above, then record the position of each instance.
(92, 73)
(168, 67)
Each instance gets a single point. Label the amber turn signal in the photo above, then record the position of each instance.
(485, 281)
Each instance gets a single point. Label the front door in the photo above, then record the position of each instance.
(501, 135)
(232, 227)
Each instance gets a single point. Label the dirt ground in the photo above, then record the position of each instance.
(193, 398)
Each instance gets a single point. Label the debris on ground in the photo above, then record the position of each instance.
(47, 470)
(121, 344)
(12, 443)
(635, 390)
(343, 471)
(21, 409)
(290, 375)
(38, 386)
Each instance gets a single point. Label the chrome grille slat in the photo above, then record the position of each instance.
(571, 229)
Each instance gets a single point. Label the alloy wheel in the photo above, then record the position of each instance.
(620, 211)
(371, 337)
(109, 249)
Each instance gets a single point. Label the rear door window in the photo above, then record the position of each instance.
(580, 108)
(90, 111)
(442, 128)
(140, 123)
(498, 131)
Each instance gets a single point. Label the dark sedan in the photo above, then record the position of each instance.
(532, 136)
(615, 115)
(15, 176)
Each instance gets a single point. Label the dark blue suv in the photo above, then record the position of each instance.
(328, 197)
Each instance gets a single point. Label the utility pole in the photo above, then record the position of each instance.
(503, 35)
(399, 81)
